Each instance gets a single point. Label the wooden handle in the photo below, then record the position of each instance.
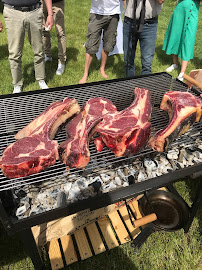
(144, 220)
(193, 81)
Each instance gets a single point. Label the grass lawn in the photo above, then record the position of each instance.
(162, 250)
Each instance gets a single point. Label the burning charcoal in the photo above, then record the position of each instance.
(121, 174)
(132, 171)
(118, 181)
(109, 187)
(125, 184)
(190, 160)
(199, 143)
(22, 209)
(180, 165)
(20, 193)
(54, 193)
(49, 203)
(198, 154)
(196, 159)
(36, 210)
(72, 177)
(61, 199)
(150, 164)
(33, 192)
(42, 196)
(126, 171)
(81, 197)
(105, 177)
(182, 155)
(74, 192)
(67, 187)
(96, 179)
(173, 154)
(142, 176)
(175, 165)
(131, 179)
(162, 169)
(96, 185)
(106, 188)
(81, 183)
(89, 192)
(111, 174)
(151, 168)
(184, 162)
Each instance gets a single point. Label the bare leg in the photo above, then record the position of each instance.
(175, 59)
(88, 60)
(103, 63)
(184, 66)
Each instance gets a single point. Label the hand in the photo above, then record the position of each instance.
(1, 26)
(160, 1)
(49, 22)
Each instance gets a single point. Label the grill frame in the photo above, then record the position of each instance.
(13, 226)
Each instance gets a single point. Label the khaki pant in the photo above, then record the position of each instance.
(17, 23)
(58, 16)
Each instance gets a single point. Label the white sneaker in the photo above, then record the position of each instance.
(61, 69)
(48, 58)
(172, 67)
(43, 85)
(17, 89)
(180, 77)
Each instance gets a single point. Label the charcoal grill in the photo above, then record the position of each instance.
(16, 111)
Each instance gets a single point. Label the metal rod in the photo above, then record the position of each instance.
(29, 243)
(194, 207)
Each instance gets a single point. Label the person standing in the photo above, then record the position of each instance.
(58, 16)
(104, 15)
(21, 16)
(140, 23)
(181, 34)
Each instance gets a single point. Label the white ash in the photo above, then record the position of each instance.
(71, 187)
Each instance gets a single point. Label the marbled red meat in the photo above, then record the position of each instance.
(75, 150)
(35, 150)
(183, 109)
(127, 132)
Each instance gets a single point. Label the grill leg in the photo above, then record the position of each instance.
(194, 208)
(30, 245)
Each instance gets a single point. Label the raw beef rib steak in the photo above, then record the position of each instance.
(75, 150)
(35, 150)
(183, 109)
(127, 132)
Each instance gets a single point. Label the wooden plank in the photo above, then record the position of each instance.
(55, 255)
(124, 213)
(95, 238)
(83, 245)
(108, 233)
(135, 208)
(163, 188)
(68, 249)
(119, 227)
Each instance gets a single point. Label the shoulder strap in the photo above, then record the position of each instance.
(138, 28)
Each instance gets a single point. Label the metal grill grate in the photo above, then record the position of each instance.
(17, 111)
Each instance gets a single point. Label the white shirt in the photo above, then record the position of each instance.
(105, 7)
(152, 8)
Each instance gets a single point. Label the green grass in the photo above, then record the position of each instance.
(162, 250)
